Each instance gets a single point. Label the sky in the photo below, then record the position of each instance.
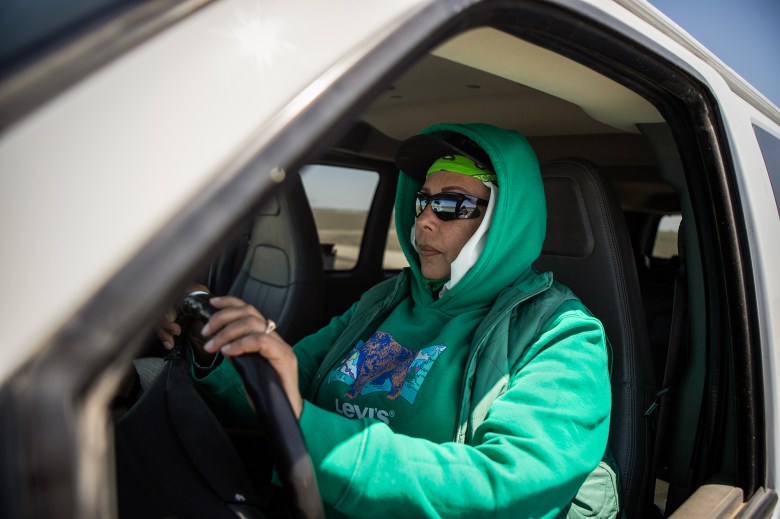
(324, 187)
(744, 34)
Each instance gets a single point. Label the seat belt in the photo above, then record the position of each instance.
(678, 334)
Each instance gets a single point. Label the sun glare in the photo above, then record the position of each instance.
(264, 41)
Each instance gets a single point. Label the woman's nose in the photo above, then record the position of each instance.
(427, 219)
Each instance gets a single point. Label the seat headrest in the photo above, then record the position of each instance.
(569, 231)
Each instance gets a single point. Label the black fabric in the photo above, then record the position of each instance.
(174, 459)
(588, 248)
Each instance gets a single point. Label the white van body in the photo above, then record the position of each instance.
(142, 127)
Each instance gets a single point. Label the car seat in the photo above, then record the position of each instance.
(174, 456)
(282, 272)
(588, 249)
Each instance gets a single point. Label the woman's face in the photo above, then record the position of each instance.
(439, 242)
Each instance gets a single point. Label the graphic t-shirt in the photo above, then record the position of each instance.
(407, 374)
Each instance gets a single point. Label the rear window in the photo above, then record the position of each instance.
(394, 258)
(770, 149)
(340, 198)
(665, 245)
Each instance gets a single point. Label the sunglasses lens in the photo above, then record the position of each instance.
(466, 209)
(447, 206)
(444, 208)
(420, 204)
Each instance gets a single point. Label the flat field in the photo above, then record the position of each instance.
(344, 229)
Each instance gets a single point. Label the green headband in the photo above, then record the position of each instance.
(463, 165)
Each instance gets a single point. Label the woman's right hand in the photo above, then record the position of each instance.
(239, 328)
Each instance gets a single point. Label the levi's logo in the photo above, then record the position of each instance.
(356, 411)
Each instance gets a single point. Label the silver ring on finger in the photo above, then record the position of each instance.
(269, 326)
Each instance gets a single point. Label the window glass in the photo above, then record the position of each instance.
(665, 245)
(340, 199)
(770, 149)
(394, 258)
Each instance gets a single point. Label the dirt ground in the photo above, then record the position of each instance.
(344, 229)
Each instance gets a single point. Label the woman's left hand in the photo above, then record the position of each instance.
(239, 328)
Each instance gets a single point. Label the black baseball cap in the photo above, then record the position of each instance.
(416, 154)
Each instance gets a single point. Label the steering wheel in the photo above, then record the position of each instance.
(265, 391)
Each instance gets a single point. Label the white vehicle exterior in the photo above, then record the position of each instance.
(115, 146)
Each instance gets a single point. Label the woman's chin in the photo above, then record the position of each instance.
(434, 271)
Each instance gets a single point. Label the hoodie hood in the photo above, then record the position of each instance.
(517, 229)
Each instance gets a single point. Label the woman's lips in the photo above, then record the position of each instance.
(427, 250)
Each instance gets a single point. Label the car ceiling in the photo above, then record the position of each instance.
(485, 74)
(564, 108)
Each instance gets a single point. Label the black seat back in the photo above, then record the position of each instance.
(588, 249)
(282, 271)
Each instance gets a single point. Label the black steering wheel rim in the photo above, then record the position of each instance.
(293, 463)
(265, 392)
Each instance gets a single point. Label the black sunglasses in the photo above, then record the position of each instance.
(450, 206)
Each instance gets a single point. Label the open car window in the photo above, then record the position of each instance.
(340, 198)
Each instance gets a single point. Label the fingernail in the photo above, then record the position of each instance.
(168, 345)
(205, 330)
(209, 346)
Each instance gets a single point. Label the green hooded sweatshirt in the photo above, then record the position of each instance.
(491, 400)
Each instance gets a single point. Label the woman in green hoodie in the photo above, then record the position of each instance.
(468, 385)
